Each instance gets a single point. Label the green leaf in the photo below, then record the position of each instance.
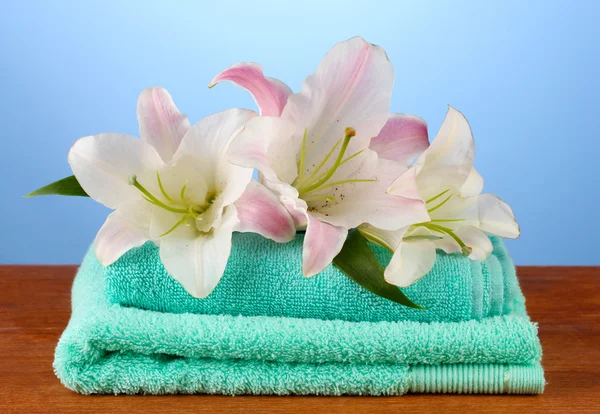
(359, 263)
(68, 186)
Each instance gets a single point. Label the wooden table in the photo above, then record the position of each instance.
(34, 310)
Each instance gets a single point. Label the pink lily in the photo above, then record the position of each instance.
(318, 149)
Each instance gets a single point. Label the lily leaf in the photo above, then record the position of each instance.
(68, 186)
(357, 261)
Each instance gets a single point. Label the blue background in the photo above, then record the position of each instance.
(524, 73)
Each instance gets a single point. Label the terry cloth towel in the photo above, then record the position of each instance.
(264, 278)
(108, 348)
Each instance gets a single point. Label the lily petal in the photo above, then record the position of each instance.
(104, 163)
(402, 139)
(386, 238)
(411, 261)
(368, 202)
(198, 260)
(322, 243)
(496, 217)
(476, 239)
(352, 87)
(486, 212)
(121, 233)
(260, 211)
(162, 125)
(288, 195)
(206, 144)
(449, 159)
(270, 94)
(260, 145)
(473, 186)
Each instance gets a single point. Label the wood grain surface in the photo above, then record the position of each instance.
(35, 308)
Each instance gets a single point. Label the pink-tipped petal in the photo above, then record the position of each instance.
(321, 244)
(120, 233)
(162, 125)
(260, 211)
(402, 139)
(269, 94)
(352, 87)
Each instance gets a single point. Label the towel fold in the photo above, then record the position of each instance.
(264, 278)
(108, 348)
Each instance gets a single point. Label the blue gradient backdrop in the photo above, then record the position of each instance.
(524, 73)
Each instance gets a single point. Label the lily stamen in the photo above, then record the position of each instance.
(302, 155)
(345, 160)
(152, 199)
(191, 211)
(323, 178)
(172, 229)
(466, 250)
(182, 192)
(440, 205)
(436, 197)
(316, 170)
(162, 189)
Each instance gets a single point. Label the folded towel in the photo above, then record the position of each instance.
(264, 278)
(108, 348)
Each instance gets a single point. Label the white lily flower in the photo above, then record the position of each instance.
(461, 218)
(174, 186)
(313, 152)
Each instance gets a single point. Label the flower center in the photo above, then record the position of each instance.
(433, 226)
(317, 180)
(181, 206)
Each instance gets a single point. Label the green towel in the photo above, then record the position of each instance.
(264, 278)
(108, 348)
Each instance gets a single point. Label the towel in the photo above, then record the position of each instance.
(264, 278)
(109, 348)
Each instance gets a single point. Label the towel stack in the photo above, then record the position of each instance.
(267, 330)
